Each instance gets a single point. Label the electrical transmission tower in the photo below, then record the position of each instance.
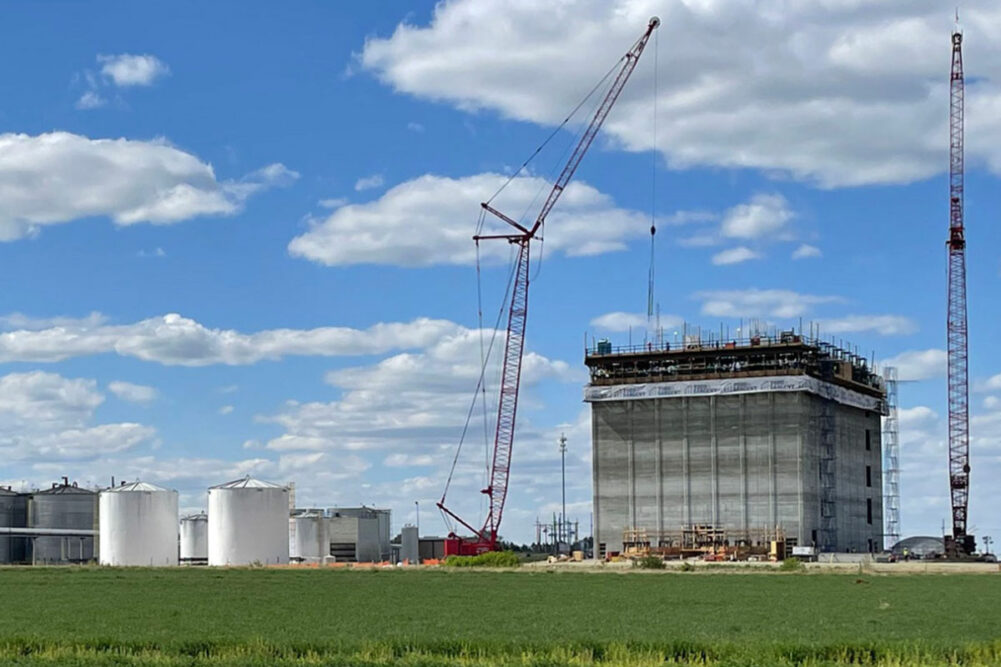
(891, 462)
(959, 543)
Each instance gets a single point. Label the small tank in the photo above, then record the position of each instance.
(195, 539)
(64, 506)
(248, 523)
(13, 514)
(410, 545)
(310, 542)
(138, 525)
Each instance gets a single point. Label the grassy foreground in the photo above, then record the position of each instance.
(92, 616)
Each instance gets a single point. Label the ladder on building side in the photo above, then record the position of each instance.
(828, 477)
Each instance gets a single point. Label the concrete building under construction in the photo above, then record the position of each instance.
(737, 443)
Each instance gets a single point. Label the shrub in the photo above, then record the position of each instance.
(488, 559)
(792, 565)
(649, 563)
(686, 566)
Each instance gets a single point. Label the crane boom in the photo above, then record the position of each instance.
(500, 470)
(959, 424)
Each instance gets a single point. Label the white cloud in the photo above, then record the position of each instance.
(886, 325)
(806, 251)
(409, 403)
(155, 252)
(128, 69)
(762, 220)
(993, 383)
(918, 364)
(734, 256)
(430, 220)
(134, 393)
(226, 410)
(369, 182)
(619, 321)
(759, 303)
(698, 241)
(176, 340)
(28, 323)
(90, 100)
(992, 402)
(335, 202)
(400, 460)
(415, 127)
(835, 93)
(764, 216)
(126, 180)
(46, 416)
(918, 416)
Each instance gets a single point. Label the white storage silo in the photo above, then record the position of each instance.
(195, 539)
(138, 525)
(248, 523)
(310, 541)
(410, 545)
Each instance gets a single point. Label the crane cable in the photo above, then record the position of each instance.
(556, 131)
(480, 381)
(653, 196)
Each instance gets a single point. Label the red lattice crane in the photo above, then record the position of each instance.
(485, 538)
(959, 543)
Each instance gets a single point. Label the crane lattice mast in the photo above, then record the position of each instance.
(496, 490)
(959, 423)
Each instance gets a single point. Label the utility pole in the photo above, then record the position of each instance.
(987, 543)
(417, 508)
(563, 466)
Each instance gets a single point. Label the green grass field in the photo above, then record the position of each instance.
(95, 616)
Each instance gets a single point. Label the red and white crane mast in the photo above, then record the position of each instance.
(496, 491)
(959, 542)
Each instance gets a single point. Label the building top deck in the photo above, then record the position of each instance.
(783, 353)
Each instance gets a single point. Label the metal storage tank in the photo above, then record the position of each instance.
(310, 541)
(13, 514)
(138, 525)
(410, 545)
(195, 539)
(63, 506)
(248, 523)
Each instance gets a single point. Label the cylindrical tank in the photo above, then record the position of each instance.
(138, 525)
(410, 545)
(195, 539)
(13, 514)
(63, 506)
(310, 541)
(248, 523)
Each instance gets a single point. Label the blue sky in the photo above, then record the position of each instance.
(237, 235)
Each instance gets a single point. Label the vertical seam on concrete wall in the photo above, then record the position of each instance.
(686, 487)
(773, 508)
(743, 467)
(659, 468)
(595, 464)
(802, 411)
(713, 463)
(631, 465)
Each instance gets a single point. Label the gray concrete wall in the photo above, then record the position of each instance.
(748, 463)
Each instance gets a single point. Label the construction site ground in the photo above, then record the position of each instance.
(843, 566)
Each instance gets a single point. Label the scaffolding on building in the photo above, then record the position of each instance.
(891, 463)
(782, 353)
(699, 537)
